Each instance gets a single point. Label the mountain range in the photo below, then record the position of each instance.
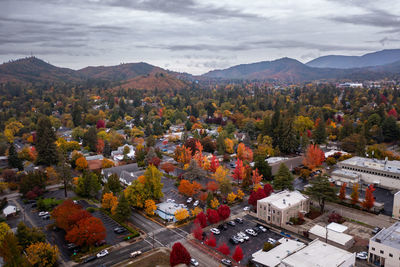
(377, 65)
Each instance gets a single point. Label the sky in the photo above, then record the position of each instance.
(193, 36)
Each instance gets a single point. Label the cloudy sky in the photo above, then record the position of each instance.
(194, 36)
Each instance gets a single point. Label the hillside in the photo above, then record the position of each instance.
(159, 80)
(378, 58)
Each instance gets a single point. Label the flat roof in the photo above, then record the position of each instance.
(340, 228)
(273, 160)
(389, 236)
(339, 238)
(318, 254)
(274, 257)
(284, 199)
(383, 165)
(342, 172)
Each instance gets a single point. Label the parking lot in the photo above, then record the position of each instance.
(253, 244)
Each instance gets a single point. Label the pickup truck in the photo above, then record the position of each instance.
(135, 254)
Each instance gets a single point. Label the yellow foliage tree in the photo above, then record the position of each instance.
(220, 174)
(42, 254)
(4, 229)
(109, 202)
(81, 164)
(150, 206)
(229, 145)
(11, 129)
(231, 197)
(240, 194)
(214, 203)
(196, 211)
(181, 214)
(106, 163)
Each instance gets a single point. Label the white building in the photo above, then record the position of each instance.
(10, 210)
(396, 206)
(341, 176)
(118, 154)
(318, 254)
(373, 171)
(278, 208)
(384, 247)
(335, 236)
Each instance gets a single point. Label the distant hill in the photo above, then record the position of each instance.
(158, 80)
(378, 58)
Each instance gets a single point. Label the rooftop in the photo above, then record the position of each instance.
(276, 255)
(383, 165)
(346, 173)
(337, 237)
(284, 199)
(273, 160)
(117, 170)
(389, 236)
(318, 254)
(340, 228)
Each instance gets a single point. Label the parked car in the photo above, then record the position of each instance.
(239, 220)
(247, 208)
(234, 240)
(46, 217)
(226, 262)
(215, 231)
(194, 262)
(262, 228)
(119, 230)
(362, 255)
(376, 230)
(102, 253)
(243, 235)
(231, 223)
(189, 200)
(251, 232)
(271, 241)
(222, 227)
(136, 253)
(90, 258)
(238, 238)
(100, 243)
(43, 213)
(196, 203)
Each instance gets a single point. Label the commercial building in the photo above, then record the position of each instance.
(318, 254)
(384, 247)
(333, 235)
(396, 206)
(383, 173)
(278, 208)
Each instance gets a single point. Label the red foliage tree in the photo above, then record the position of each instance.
(212, 216)
(238, 173)
(224, 212)
(202, 219)
(100, 146)
(212, 186)
(214, 164)
(393, 113)
(64, 214)
(268, 190)
(237, 254)
(191, 143)
(197, 231)
(314, 157)
(210, 241)
(155, 161)
(87, 232)
(31, 195)
(179, 255)
(335, 217)
(167, 167)
(224, 249)
(369, 200)
(256, 195)
(100, 124)
(342, 192)
(203, 196)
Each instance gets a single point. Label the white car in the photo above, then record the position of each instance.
(102, 253)
(247, 208)
(238, 239)
(215, 231)
(43, 213)
(262, 228)
(189, 200)
(251, 232)
(243, 235)
(362, 255)
(194, 262)
(271, 241)
(196, 203)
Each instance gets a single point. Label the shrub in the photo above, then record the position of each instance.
(47, 204)
(90, 209)
(336, 218)
(267, 246)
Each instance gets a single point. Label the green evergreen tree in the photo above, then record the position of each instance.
(263, 167)
(319, 133)
(88, 185)
(390, 129)
(114, 184)
(64, 172)
(90, 139)
(321, 190)
(288, 141)
(221, 144)
(45, 142)
(13, 160)
(76, 115)
(123, 210)
(107, 149)
(283, 179)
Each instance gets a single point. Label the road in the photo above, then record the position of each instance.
(143, 223)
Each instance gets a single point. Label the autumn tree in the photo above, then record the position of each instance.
(237, 254)
(228, 145)
(268, 189)
(210, 241)
(244, 153)
(354, 195)
(11, 251)
(42, 254)
(194, 171)
(27, 236)
(342, 192)
(67, 214)
(369, 200)
(181, 214)
(214, 203)
(283, 179)
(256, 195)
(88, 184)
(231, 197)
(87, 232)
(100, 146)
(4, 229)
(45, 142)
(238, 173)
(212, 216)
(256, 178)
(81, 164)
(262, 165)
(212, 186)
(240, 194)
(183, 154)
(188, 189)
(220, 174)
(224, 212)
(109, 202)
(197, 231)
(214, 164)
(314, 157)
(167, 167)
(150, 207)
(201, 218)
(179, 255)
(224, 249)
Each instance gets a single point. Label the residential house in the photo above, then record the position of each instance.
(118, 154)
(126, 173)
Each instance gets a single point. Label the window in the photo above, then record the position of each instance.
(373, 248)
(391, 255)
(381, 251)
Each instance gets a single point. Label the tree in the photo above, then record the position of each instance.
(354, 143)
(238, 173)
(212, 216)
(224, 212)
(212, 186)
(87, 232)
(255, 196)
(113, 183)
(27, 236)
(106, 149)
(225, 186)
(214, 203)
(390, 129)
(167, 167)
(150, 206)
(183, 154)
(64, 172)
(194, 171)
(314, 157)
(283, 179)
(88, 184)
(214, 164)
(321, 190)
(67, 215)
(11, 251)
(45, 142)
(42, 254)
(256, 178)
(197, 231)
(179, 255)
(81, 164)
(210, 241)
(369, 200)
(90, 139)
(240, 194)
(13, 160)
(4, 229)
(187, 188)
(181, 214)
(231, 197)
(263, 167)
(228, 143)
(237, 254)
(109, 202)
(201, 218)
(33, 181)
(224, 249)
(354, 195)
(244, 153)
(268, 190)
(100, 124)
(342, 192)
(319, 133)
(220, 174)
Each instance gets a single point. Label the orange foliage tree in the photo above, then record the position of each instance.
(87, 232)
(67, 214)
(355, 195)
(109, 202)
(183, 154)
(212, 186)
(314, 156)
(167, 167)
(369, 200)
(239, 172)
(100, 146)
(244, 153)
(256, 179)
(342, 192)
(187, 188)
(81, 163)
(106, 163)
(214, 164)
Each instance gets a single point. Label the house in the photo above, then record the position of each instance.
(118, 154)
(279, 207)
(95, 157)
(384, 247)
(166, 210)
(318, 254)
(10, 210)
(95, 164)
(126, 173)
(332, 235)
